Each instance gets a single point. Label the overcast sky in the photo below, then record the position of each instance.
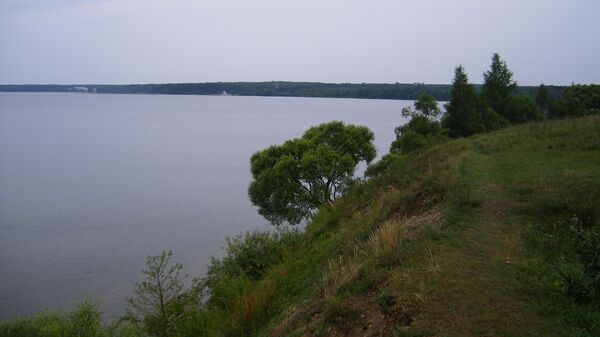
(155, 41)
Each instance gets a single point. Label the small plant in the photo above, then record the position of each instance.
(385, 300)
(386, 238)
(340, 272)
(336, 312)
(163, 286)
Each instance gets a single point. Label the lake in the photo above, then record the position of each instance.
(92, 184)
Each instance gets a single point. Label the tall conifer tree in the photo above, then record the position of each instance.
(462, 117)
(498, 86)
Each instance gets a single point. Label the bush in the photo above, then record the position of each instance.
(84, 320)
(572, 218)
(384, 164)
(250, 255)
(521, 109)
(492, 120)
(417, 134)
(577, 100)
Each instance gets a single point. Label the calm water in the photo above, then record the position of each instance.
(91, 184)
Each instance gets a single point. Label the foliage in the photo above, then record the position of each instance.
(544, 99)
(577, 100)
(520, 109)
(251, 255)
(418, 133)
(291, 180)
(422, 130)
(498, 86)
(491, 120)
(162, 287)
(425, 105)
(462, 116)
(405, 91)
(82, 321)
(572, 223)
(384, 164)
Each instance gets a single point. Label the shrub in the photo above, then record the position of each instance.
(84, 320)
(492, 120)
(522, 108)
(251, 255)
(572, 218)
(422, 130)
(384, 164)
(577, 100)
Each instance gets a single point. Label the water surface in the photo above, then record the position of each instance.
(91, 184)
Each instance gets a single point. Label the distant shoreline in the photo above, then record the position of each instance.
(396, 91)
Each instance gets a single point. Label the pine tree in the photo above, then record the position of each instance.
(462, 116)
(498, 86)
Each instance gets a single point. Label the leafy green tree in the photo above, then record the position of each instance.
(291, 180)
(577, 100)
(491, 120)
(543, 98)
(425, 106)
(162, 286)
(498, 86)
(423, 128)
(462, 115)
(522, 108)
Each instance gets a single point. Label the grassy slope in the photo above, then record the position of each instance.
(487, 283)
(487, 249)
(478, 272)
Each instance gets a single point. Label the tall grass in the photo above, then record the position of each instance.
(386, 238)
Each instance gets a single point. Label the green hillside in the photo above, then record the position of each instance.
(493, 235)
(499, 237)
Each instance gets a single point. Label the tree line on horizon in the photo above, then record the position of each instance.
(400, 91)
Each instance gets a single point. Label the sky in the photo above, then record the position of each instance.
(375, 41)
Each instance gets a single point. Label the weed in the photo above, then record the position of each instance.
(340, 272)
(385, 300)
(334, 311)
(386, 238)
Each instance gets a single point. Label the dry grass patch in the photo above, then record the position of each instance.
(340, 272)
(386, 238)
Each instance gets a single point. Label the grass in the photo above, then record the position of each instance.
(385, 239)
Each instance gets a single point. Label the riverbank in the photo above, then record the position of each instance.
(488, 235)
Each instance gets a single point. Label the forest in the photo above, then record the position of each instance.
(403, 91)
